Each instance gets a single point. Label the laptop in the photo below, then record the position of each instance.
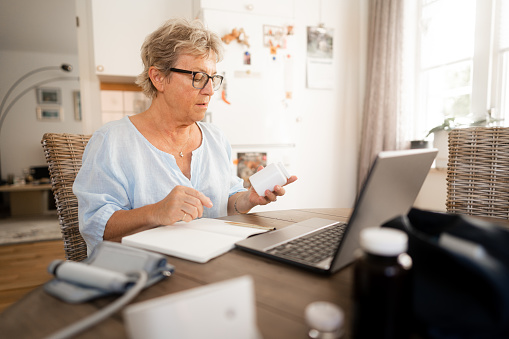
(390, 189)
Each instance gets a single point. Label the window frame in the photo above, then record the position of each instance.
(489, 68)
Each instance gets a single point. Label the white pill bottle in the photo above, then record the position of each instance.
(272, 175)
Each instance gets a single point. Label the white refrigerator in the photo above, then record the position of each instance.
(254, 106)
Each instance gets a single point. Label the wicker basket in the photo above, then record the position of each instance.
(63, 154)
(478, 172)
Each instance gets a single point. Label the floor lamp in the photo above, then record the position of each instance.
(4, 112)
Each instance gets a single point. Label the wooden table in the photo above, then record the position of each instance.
(282, 291)
(28, 199)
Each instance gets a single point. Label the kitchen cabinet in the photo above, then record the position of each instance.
(279, 8)
(119, 29)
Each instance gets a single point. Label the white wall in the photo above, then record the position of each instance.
(21, 133)
(328, 137)
(35, 34)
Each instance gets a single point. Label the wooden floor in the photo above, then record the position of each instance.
(23, 267)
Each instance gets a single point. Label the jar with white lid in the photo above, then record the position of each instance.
(382, 286)
(266, 179)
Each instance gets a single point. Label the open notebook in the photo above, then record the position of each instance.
(199, 240)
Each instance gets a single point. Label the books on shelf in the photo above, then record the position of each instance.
(199, 240)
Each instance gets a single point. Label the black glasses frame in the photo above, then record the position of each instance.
(215, 86)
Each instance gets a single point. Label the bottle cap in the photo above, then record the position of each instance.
(324, 316)
(383, 241)
(283, 170)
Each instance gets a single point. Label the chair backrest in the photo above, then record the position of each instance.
(63, 153)
(478, 172)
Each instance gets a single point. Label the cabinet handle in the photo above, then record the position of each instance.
(100, 68)
(250, 7)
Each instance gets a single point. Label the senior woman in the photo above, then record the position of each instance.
(164, 165)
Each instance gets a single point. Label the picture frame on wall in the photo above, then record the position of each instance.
(248, 163)
(49, 113)
(77, 105)
(49, 96)
(274, 36)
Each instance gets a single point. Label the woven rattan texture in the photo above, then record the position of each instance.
(63, 154)
(478, 172)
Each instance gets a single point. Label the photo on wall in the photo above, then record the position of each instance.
(49, 96)
(320, 68)
(248, 163)
(49, 113)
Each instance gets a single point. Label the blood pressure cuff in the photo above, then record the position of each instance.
(110, 269)
(460, 274)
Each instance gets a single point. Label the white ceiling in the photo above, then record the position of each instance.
(46, 26)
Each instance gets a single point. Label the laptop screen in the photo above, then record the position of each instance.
(390, 190)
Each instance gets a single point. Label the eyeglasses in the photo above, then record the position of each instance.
(201, 79)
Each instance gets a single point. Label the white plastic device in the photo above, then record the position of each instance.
(272, 175)
(92, 276)
(325, 320)
(224, 309)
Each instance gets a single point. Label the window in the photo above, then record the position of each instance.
(461, 63)
(501, 96)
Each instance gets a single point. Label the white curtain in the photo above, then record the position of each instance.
(383, 101)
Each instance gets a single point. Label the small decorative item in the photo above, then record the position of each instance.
(248, 163)
(77, 105)
(49, 113)
(49, 96)
(236, 34)
(274, 36)
(227, 38)
(224, 91)
(247, 58)
(273, 49)
(416, 144)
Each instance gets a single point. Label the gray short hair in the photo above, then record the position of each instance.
(174, 38)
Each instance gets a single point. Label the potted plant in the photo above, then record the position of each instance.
(447, 125)
(440, 141)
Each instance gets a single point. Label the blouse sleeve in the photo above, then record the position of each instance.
(236, 183)
(100, 189)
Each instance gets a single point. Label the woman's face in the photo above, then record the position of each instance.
(184, 101)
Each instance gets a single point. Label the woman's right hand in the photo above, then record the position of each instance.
(183, 203)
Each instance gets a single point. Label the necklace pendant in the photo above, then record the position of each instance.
(181, 154)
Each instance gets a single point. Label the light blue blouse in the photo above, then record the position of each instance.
(122, 170)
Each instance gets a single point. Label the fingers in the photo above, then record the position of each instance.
(293, 178)
(204, 200)
(182, 204)
(271, 196)
(192, 204)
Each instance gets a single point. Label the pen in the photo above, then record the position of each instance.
(235, 223)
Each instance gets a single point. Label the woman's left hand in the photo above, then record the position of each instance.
(245, 201)
(270, 196)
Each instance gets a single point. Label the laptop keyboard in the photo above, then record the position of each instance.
(313, 247)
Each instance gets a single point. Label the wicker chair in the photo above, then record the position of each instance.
(478, 172)
(63, 154)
